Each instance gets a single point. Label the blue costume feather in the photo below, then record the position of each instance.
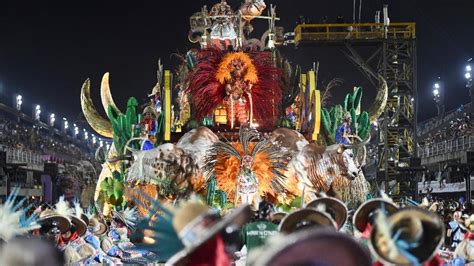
(160, 222)
(13, 220)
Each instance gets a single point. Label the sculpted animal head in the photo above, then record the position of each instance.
(345, 157)
(348, 159)
(290, 139)
(196, 142)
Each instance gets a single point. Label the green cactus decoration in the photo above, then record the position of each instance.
(124, 125)
(160, 122)
(112, 188)
(211, 192)
(363, 125)
(222, 198)
(216, 198)
(208, 121)
(331, 119)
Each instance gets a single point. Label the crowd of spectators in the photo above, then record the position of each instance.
(22, 136)
(457, 127)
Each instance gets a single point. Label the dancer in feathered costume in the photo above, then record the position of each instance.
(249, 168)
(248, 84)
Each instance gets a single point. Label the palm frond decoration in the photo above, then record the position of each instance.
(336, 82)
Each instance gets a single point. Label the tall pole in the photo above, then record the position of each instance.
(354, 11)
(468, 188)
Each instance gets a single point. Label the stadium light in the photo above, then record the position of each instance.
(468, 74)
(94, 140)
(52, 119)
(76, 130)
(438, 97)
(65, 124)
(37, 112)
(86, 135)
(19, 102)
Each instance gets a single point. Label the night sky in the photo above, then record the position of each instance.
(47, 49)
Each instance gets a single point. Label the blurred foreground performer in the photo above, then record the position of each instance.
(53, 225)
(410, 236)
(312, 246)
(31, 252)
(277, 217)
(13, 220)
(464, 253)
(364, 216)
(256, 233)
(307, 218)
(190, 234)
(336, 209)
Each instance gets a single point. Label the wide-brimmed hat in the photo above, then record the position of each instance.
(195, 229)
(128, 217)
(97, 228)
(367, 209)
(407, 226)
(314, 247)
(305, 218)
(277, 217)
(81, 226)
(63, 208)
(85, 218)
(334, 207)
(50, 217)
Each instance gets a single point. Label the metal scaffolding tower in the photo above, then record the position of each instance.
(393, 56)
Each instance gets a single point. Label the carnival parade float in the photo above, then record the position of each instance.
(235, 123)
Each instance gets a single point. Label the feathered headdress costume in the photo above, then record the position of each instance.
(208, 79)
(266, 160)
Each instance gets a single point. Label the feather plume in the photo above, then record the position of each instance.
(130, 216)
(208, 92)
(160, 223)
(89, 212)
(13, 220)
(78, 211)
(62, 207)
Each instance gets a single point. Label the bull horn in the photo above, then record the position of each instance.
(380, 101)
(100, 125)
(357, 145)
(106, 96)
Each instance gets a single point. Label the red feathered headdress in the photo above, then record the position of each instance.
(208, 91)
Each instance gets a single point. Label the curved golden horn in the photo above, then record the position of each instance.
(380, 101)
(105, 94)
(101, 125)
